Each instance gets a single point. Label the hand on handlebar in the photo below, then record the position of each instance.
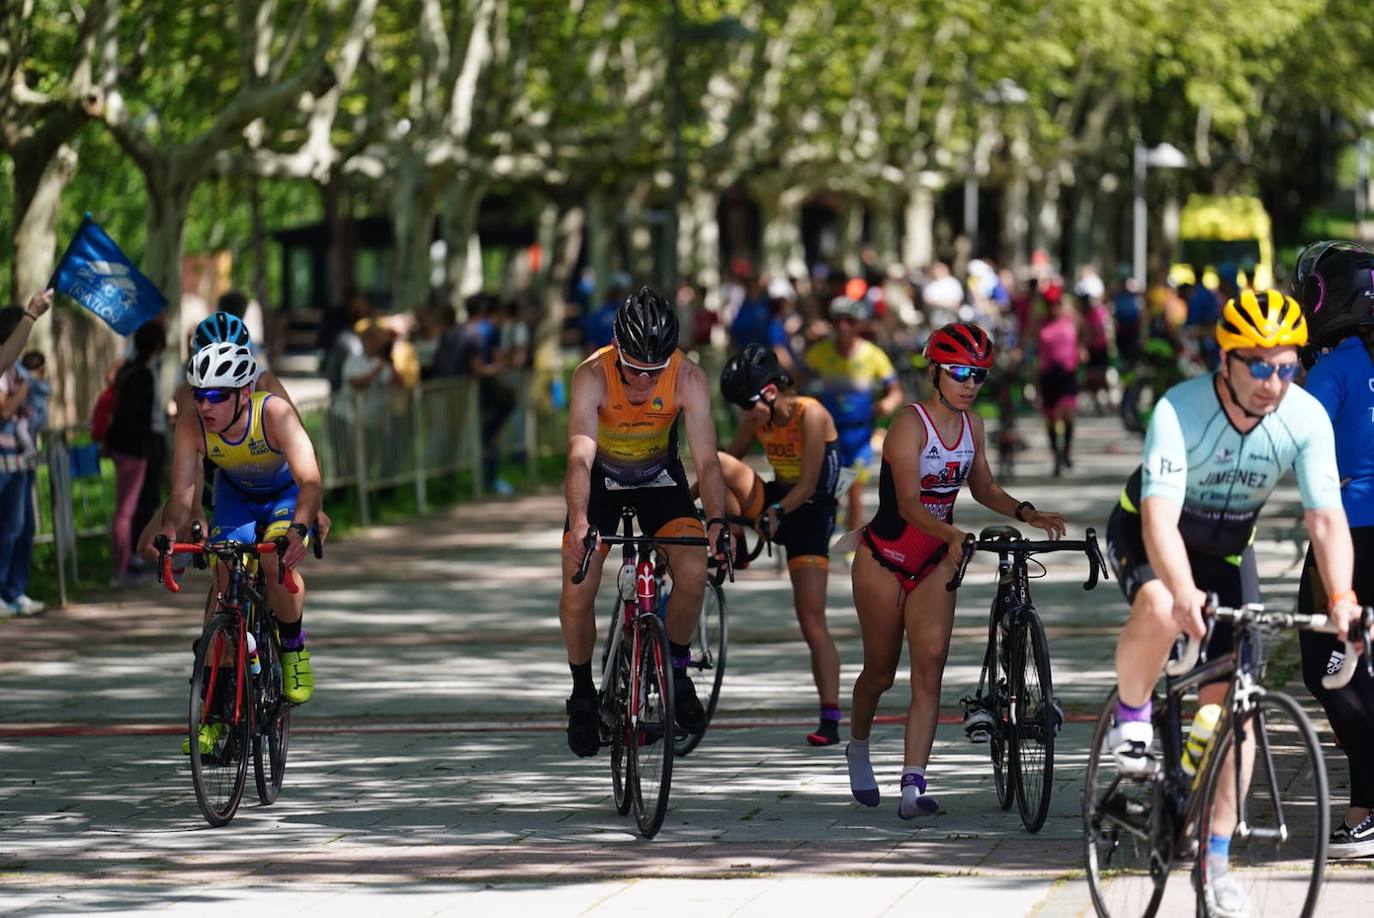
(720, 541)
(768, 522)
(956, 542)
(1187, 612)
(1343, 614)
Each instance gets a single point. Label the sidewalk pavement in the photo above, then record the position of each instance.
(430, 773)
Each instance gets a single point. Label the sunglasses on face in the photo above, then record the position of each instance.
(630, 372)
(1262, 371)
(213, 396)
(960, 373)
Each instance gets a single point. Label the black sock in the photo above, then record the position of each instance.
(289, 631)
(1068, 436)
(583, 687)
(682, 655)
(1054, 437)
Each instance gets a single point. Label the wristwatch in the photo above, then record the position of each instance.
(302, 530)
(1024, 505)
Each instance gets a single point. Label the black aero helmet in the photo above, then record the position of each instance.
(1334, 283)
(746, 373)
(646, 327)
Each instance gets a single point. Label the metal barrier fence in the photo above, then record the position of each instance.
(366, 440)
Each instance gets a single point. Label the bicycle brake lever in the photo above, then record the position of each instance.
(958, 578)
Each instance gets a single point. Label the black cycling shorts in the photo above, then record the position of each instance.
(806, 530)
(665, 509)
(1234, 583)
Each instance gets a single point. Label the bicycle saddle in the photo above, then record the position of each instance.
(999, 532)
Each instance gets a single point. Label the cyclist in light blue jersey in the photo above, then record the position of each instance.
(1214, 451)
(1335, 282)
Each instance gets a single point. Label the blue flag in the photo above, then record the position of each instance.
(95, 273)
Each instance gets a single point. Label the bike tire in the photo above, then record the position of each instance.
(999, 745)
(1124, 879)
(620, 728)
(708, 656)
(651, 742)
(1280, 862)
(1033, 720)
(273, 737)
(218, 777)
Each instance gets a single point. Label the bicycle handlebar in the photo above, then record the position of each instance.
(1097, 567)
(593, 537)
(167, 548)
(1360, 631)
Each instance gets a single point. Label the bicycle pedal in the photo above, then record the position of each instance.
(978, 733)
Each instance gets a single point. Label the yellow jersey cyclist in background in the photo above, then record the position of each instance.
(1215, 449)
(626, 402)
(797, 507)
(267, 482)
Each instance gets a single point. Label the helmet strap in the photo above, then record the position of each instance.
(940, 392)
(238, 412)
(1226, 378)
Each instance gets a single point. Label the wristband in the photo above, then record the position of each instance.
(1022, 506)
(302, 530)
(716, 520)
(778, 507)
(30, 316)
(1342, 595)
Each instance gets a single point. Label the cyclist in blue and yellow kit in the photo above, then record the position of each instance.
(853, 372)
(267, 485)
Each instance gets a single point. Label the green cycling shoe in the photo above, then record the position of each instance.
(210, 735)
(297, 675)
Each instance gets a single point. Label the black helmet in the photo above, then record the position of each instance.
(646, 327)
(746, 373)
(1334, 282)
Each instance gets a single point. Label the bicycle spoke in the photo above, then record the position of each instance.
(1035, 722)
(651, 744)
(219, 772)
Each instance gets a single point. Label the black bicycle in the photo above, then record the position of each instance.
(1013, 709)
(236, 681)
(1137, 828)
(636, 698)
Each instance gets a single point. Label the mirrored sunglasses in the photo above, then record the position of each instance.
(1261, 370)
(213, 396)
(960, 373)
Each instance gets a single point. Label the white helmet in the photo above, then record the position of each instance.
(221, 365)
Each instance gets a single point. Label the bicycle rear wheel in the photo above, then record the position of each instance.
(708, 657)
(999, 702)
(219, 774)
(1278, 850)
(1033, 720)
(274, 720)
(651, 743)
(619, 709)
(1118, 814)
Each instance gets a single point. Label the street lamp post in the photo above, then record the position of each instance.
(1164, 156)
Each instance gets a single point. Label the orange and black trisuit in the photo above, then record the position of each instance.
(805, 532)
(637, 462)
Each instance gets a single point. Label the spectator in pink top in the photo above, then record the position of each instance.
(1058, 345)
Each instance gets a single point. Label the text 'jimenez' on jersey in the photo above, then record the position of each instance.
(1195, 458)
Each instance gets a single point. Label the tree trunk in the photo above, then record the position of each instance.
(783, 251)
(37, 196)
(413, 206)
(851, 226)
(640, 235)
(169, 200)
(560, 241)
(1045, 230)
(706, 244)
(918, 238)
(258, 245)
(882, 230)
(1016, 223)
(599, 236)
(463, 250)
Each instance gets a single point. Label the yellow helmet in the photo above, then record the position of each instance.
(1266, 318)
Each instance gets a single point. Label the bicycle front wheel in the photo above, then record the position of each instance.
(1034, 721)
(708, 658)
(1125, 876)
(1279, 830)
(1000, 696)
(274, 720)
(619, 708)
(651, 740)
(220, 771)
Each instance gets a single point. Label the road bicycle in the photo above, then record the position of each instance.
(244, 704)
(636, 697)
(1013, 709)
(1136, 829)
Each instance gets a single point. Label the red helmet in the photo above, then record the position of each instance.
(960, 344)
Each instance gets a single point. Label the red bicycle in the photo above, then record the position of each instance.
(236, 682)
(636, 697)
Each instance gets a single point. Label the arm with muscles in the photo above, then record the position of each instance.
(813, 457)
(270, 383)
(701, 439)
(901, 450)
(1163, 486)
(587, 393)
(1318, 481)
(989, 493)
(282, 426)
(187, 451)
(739, 448)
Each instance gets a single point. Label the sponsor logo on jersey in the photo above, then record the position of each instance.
(657, 403)
(933, 452)
(1225, 454)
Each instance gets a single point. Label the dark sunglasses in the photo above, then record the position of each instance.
(1262, 371)
(1310, 257)
(960, 373)
(630, 372)
(213, 396)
